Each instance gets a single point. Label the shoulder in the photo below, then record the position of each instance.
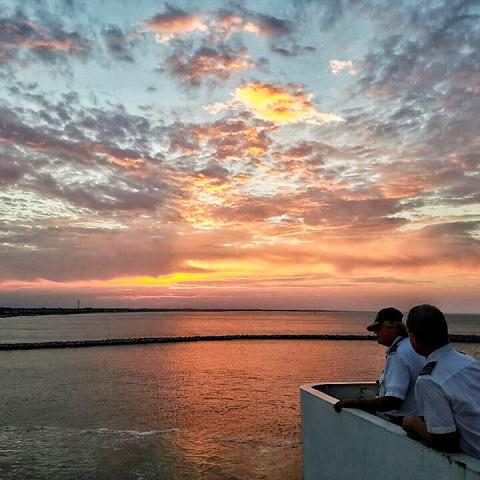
(459, 372)
(427, 369)
(404, 346)
(449, 369)
(406, 352)
(399, 346)
(427, 385)
(461, 359)
(453, 362)
(426, 379)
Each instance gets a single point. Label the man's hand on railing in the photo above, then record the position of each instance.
(346, 403)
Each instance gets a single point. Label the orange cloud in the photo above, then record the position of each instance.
(19, 32)
(174, 23)
(281, 104)
(274, 261)
(234, 139)
(217, 25)
(208, 62)
(65, 45)
(127, 163)
(251, 22)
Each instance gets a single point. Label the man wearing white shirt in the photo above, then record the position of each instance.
(447, 389)
(396, 397)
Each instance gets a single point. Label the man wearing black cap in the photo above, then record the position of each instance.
(396, 396)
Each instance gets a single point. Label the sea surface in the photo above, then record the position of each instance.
(210, 410)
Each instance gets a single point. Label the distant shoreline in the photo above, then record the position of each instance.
(110, 342)
(24, 312)
(6, 312)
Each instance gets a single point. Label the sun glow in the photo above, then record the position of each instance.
(281, 103)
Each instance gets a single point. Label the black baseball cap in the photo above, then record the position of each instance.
(390, 313)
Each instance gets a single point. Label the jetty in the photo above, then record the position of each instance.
(108, 342)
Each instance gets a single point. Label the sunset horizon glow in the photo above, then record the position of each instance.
(302, 155)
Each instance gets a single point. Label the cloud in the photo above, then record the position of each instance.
(11, 170)
(20, 35)
(215, 171)
(281, 103)
(48, 141)
(119, 44)
(233, 138)
(123, 198)
(292, 50)
(229, 22)
(174, 23)
(337, 66)
(208, 62)
(85, 253)
(77, 156)
(420, 88)
(203, 48)
(215, 108)
(218, 25)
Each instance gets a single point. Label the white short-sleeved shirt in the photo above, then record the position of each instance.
(398, 379)
(449, 397)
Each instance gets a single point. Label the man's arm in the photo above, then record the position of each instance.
(438, 429)
(380, 404)
(417, 429)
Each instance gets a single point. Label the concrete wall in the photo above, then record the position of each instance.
(356, 445)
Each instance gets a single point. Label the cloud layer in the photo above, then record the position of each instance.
(240, 156)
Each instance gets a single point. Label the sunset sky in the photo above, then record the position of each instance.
(294, 154)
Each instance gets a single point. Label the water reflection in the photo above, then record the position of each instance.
(211, 410)
(231, 408)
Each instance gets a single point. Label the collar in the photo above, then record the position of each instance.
(436, 354)
(393, 347)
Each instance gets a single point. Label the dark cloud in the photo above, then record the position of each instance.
(79, 143)
(366, 214)
(173, 23)
(234, 138)
(68, 253)
(119, 44)
(112, 194)
(292, 50)
(389, 280)
(208, 63)
(453, 229)
(312, 152)
(435, 72)
(263, 24)
(22, 37)
(205, 44)
(423, 88)
(253, 210)
(11, 170)
(215, 171)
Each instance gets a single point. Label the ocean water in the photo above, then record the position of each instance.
(159, 324)
(213, 410)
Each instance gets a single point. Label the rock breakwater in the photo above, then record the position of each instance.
(208, 338)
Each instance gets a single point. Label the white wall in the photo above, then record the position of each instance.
(356, 445)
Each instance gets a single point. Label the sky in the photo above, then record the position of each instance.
(294, 154)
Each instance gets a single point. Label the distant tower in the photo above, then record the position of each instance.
(78, 304)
